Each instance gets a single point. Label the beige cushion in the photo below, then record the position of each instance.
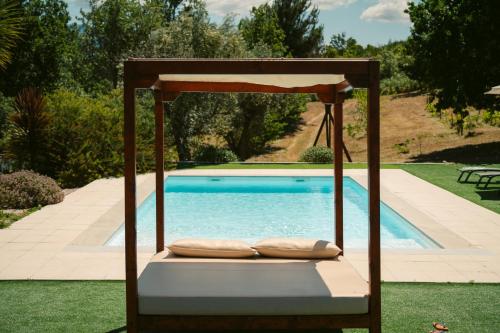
(211, 248)
(297, 248)
(171, 285)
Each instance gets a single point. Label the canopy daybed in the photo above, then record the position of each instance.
(175, 293)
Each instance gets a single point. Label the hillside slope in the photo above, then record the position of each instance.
(404, 121)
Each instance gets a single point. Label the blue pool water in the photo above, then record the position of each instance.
(252, 208)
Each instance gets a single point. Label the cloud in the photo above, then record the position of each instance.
(386, 11)
(243, 7)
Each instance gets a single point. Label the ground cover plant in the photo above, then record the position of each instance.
(27, 189)
(99, 306)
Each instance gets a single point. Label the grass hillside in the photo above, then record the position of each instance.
(408, 134)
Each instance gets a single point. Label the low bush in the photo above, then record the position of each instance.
(213, 154)
(27, 189)
(317, 154)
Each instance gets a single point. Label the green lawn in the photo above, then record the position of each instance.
(7, 219)
(98, 306)
(445, 176)
(442, 175)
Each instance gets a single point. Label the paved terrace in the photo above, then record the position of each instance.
(65, 241)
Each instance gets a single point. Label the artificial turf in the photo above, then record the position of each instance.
(99, 306)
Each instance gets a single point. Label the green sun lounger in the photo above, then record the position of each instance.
(468, 171)
(489, 175)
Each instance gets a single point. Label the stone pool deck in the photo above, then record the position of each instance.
(65, 241)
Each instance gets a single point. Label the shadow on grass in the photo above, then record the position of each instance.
(485, 153)
(490, 194)
(118, 330)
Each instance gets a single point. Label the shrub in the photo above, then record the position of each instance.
(27, 189)
(317, 154)
(213, 154)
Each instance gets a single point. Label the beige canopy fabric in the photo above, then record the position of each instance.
(493, 91)
(277, 80)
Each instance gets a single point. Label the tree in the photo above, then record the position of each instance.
(169, 8)
(192, 35)
(10, 30)
(299, 22)
(262, 29)
(40, 58)
(113, 30)
(342, 46)
(455, 46)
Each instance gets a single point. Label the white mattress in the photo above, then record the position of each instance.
(191, 286)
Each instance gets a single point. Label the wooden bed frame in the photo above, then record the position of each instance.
(144, 74)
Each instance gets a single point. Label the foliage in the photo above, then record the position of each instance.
(27, 189)
(112, 30)
(317, 154)
(299, 20)
(85, 137)
(42, 56)
(169, 8)
(6, 108)
(262, 28)
(11, 29)
(358, 128)
(27, 135)
(7, 218)
(456, 52)
(342, 46)
(213, 154)
(192, 35)
(403, 147)
(260, 118)
(491, 117)
(394, 61)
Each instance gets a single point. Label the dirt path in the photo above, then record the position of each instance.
(404, 122)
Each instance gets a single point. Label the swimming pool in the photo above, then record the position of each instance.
(252, 208)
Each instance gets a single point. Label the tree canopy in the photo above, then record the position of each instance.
(41, 56)
(455, 48)
(11, 29)
(299, 20)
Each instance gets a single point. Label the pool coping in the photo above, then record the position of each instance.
(55, 243)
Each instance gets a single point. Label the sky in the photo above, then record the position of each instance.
(369, 21)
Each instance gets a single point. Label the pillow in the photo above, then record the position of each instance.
(297, 248)
(211, 248)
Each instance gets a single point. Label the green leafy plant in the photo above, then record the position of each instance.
(27, 136)
(11, 29)
(491, 117)
(360, 114)
(213, 154)
(317, 154)
(403, 147)
(27, 189)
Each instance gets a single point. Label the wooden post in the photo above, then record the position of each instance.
(328, 115)
(339, 175)
(130, 206)
(373, 134)
(160, 221)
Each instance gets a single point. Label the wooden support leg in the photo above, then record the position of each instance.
(160, 242)
(328, 115)
(373, 133)
(337, 149)
(130, 210)
(320, 129)
(344, 148)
